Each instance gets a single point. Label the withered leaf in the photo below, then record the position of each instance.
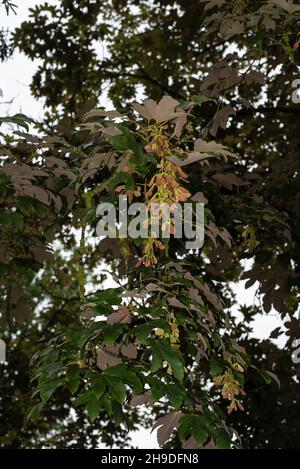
(110, 244)
(212, 3)
(129, 351)
(29, 138)
(176, 303)
(69, 195)
(290, 7)
(200, 198)
(111, 131)
(179, 124)
(37, 193)
(131, 294)
(190, 443)
(53, 161)
(203, 151)
(213, 148)
(228, 180)
(122, 315)
(225, 235)
(238, 347)
(221, 119)
(210, 445)
(200, 353)
(166, 426)
(194, 295)
(192, 157)
(42, 254)
(163, 111)
(140, 399)
(52, 139)
(232, 28)
(153, 287)
(254, 77)
(57, 202)
(107, 359)
(102, 113)
(269, 23)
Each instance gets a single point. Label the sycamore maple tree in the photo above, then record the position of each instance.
(147, 347)
(164, 318)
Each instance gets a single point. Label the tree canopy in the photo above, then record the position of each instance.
(222, 76)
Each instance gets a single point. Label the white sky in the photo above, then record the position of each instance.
(15, 78)
(16, 73)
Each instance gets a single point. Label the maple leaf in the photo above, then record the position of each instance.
(163, 111)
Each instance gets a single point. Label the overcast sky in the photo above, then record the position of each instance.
(15, 78)
(16, 73)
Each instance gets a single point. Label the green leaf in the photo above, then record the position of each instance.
(98, 385)
(39, 208)
(222, 439)
(116, 387)
(216, 366)
(17, 220)
(121, 178)
(157, 360)
(199, 430)
(126, 141)
(73, 378)
(47, 388)
(106, 402)
(35, 413)
(134, 382)
(129, 377)
(93, 408)
(84, 397)
(117, 412)
(112, 332)
(194, 425)
(184, 103)
(177, 394)
(4, 180)
(51, 368)
(23, 204)
(208, 215)
(84, 336)
(110, 296)
(239, 377)
(19, 119)
(158, 388)
(142, 332)
(199, 99)
(217, 339)
(5, 218)
(120, 142)
(267, 378)
(105, 299)
(173, 357)
(185, 426)
(59, 184)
